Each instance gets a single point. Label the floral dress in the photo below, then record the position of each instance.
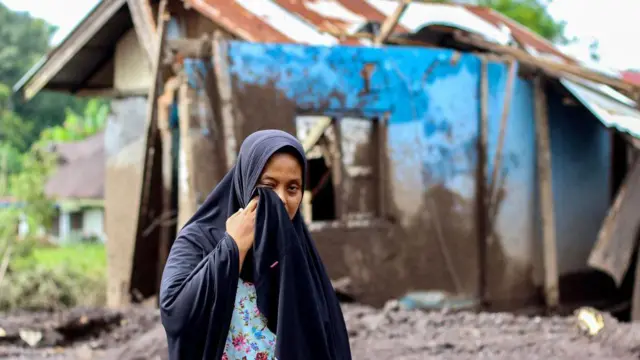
(249, 338)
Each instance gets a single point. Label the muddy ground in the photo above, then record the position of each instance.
(390, 333)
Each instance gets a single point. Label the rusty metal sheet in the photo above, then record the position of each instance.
(321, 21)
(617, 239)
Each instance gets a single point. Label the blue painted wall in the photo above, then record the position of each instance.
(581, 165)
(431, 99)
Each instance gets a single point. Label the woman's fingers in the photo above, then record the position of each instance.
(253, 204)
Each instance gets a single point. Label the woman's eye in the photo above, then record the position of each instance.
(271, 186)
(293, 188)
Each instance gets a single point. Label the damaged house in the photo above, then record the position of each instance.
(450, 148)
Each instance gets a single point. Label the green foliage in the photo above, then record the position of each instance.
(79, 126)
(44, 288)
(532, 14)
(23, 42)
(56, 277)
(27, 186)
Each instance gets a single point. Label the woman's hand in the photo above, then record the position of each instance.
(241, 227)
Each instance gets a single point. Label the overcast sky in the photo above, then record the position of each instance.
(614, 23)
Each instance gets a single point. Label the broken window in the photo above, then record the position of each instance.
(343, 171)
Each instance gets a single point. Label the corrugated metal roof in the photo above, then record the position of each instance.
(612, 112)
(316, 21)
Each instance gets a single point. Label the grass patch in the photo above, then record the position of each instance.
(52, 278)
(90, 259)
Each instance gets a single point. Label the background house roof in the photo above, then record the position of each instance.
(81, 173)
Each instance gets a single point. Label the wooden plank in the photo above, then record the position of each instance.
(613, 251)
(390, 22)
(497, 160)
(145, 26)
(316, 133)
(152, 112)
(545, 64)
(337, 169)
(381, 155)
(551, 288)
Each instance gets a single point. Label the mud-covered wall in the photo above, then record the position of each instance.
(430, 98)
(124, 147)
(513, 253)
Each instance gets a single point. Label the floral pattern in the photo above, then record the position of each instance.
(249, 338)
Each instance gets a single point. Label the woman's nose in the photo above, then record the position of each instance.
(281, 195)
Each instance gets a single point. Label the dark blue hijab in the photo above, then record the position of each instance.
(201, 276)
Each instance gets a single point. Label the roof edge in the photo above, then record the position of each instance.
(42, 72)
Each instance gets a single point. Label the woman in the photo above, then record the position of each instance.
(243, 279)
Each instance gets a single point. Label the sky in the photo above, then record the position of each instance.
(613, 23)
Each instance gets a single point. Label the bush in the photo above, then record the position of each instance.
(56, 278)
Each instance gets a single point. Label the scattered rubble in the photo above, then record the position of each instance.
(388, 333)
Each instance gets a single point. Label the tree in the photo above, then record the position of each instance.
(531, 13)
(79, 126)
(24, 40)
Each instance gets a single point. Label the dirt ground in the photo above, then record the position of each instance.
(390, 333)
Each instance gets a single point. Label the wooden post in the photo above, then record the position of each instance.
(223, 83)
(187, 204)
(481, 179)
(551, 289)
(167, 232)
(337, 170)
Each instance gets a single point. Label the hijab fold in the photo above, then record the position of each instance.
(294, 293)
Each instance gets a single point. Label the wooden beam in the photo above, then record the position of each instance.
(545, 64)
(497, 162)
(145, 26)
(549, 247)
(390, 22)
(316, 133)
(613, 250)
(152, 109)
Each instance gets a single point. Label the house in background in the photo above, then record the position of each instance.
(77, 186)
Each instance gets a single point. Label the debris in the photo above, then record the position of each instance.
(30, 337)
(343, 289)
(590, 320)
(390, 333)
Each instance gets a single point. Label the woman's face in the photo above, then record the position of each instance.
(283, 174)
